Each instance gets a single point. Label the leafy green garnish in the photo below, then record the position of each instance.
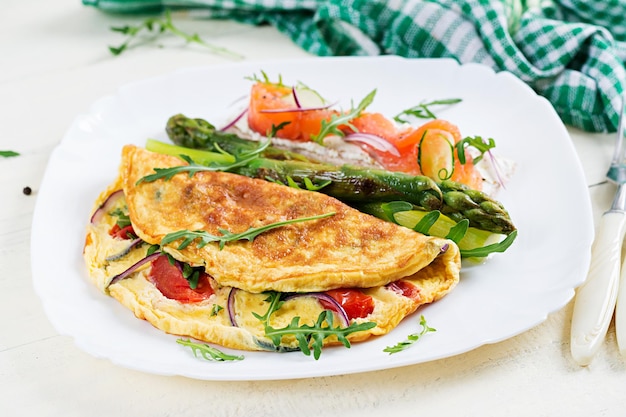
(193, 167)
(216, 309)
(411, 339)
(330, 127)
(206, 238)
(458, 231)
(208, 352)
(424, 225)
(156, 26)
(308, 336)
(9, 154)
(476, 142)
(123, 219)
(308, 184)
(423, 111)
(493, 248)
(275, 128)
(265, 79)
(192, 275)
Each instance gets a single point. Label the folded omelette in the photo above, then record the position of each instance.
(314, 266)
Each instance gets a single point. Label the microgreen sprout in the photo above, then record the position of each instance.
(206, 238)
(9, 154)
(156, 27)
(208, 352)
(308, 336)
(332, 126)
(423, 111)
(411, 339)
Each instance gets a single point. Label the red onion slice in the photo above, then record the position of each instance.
(295, 97)
(230, 305)
(123, 253)
(234, 121)
(134, 267)
(341, 313)
(373, 141)
(296, 109)
(106, 206)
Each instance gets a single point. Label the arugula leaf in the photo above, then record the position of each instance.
(9, 154)
(156, 26)
(313, 336)
(206, 238)
(208, 352)
(423, 111)
(216, 309)
(411, 339)
(493, 248)
(123, 219)
(477, 142)
(458, 231)
(308, 336)
(332, 126)
(424, 225)
(193, 167)
(191, 274)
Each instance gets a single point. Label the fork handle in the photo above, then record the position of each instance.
(596, 297)
(620, 313)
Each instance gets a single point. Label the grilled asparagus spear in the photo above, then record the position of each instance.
(351, 184)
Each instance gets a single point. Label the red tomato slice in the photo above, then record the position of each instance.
(354, 302)
(126, 232)
(406, 289)
(169, 280)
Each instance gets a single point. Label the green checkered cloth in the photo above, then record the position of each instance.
(570, 51)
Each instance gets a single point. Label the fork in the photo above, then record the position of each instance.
(596, 297)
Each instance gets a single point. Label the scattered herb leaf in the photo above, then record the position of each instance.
(192, 275)
(308, 336)
(208, 352)
(205, 238)
(9, 154)
(216, 309)
(411, 339)
(457, 231)
(123, 219)
(157, 26)
(332, 126)
(423, 111)
(424, 225)
(193, 167)
(476, 142)
(493, 248)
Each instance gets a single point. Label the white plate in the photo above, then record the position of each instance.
(513, 292)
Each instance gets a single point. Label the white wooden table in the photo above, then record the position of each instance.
(54, 63)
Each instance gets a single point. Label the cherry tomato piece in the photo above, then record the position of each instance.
(355, 303)
(170, 281)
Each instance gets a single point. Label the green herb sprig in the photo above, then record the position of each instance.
(193, 167)
(411, 339)
(330, 127)
(157, 26)
(476, 142)
(227, 236)
(423, 111)
(9, 154)
(308, 337)
(208, 352)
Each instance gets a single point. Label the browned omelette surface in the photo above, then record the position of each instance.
(348, 249)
